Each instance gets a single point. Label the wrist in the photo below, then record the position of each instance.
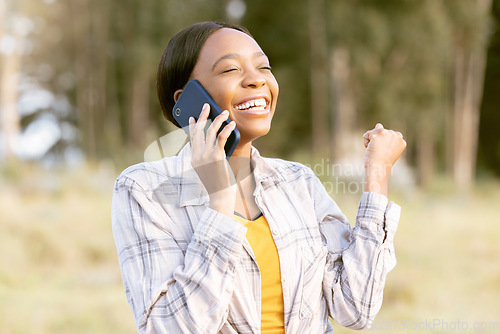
(377, 178)
(223, 204)
(378, 167)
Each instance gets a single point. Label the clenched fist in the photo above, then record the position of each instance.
(383, 148)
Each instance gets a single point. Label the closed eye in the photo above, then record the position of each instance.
(230, 70)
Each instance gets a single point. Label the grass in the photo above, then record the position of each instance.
(447, 279)
(59, 271)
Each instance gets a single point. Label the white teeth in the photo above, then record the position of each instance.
(251, 104)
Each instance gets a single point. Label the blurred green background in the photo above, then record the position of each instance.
(78, 105)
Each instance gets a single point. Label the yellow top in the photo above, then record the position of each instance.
(262, 242)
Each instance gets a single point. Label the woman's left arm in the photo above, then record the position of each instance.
(359, 259)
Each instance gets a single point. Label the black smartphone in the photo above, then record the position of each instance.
(190, 103)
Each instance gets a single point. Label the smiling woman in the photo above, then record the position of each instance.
(236, 73)
(178, 61)
(246, 244)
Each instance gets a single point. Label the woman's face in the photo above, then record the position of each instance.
(236, 73)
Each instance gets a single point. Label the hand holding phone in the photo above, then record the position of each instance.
(208, 153)
(190, 104)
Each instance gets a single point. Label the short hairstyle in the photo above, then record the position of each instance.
(179, 58)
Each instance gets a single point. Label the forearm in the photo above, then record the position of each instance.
(377, 179)
(357, 276)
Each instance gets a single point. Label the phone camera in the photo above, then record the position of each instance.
(177, 112)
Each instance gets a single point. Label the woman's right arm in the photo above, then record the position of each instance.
(168, 290)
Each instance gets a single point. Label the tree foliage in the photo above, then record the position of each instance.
(98, 61)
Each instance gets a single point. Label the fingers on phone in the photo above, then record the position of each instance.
(204, 110)
(210, 139)
(192, 123)
(224, 134)
(219, 119)
(213, 129)
(202, 120)
(197, 128)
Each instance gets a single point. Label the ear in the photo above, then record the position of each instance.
(177, 94)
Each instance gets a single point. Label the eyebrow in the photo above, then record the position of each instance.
(236, 55)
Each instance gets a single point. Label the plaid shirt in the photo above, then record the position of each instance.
(189, 269)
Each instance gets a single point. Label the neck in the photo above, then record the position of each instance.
(240, 161)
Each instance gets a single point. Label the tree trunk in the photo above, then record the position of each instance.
(9, 81)
(139, 109)
(90, 33)
(100, 37)
(85, 95)
(425, 158)
(469, 75)
(319, 76)
(344, 111)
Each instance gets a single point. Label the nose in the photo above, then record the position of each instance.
(254, 79)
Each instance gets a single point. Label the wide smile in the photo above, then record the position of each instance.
(255, 106)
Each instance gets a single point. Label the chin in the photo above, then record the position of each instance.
(249, 136)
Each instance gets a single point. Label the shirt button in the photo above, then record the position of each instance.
(274, 232)
(283, 281)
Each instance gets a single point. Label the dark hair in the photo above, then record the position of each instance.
(179, 58)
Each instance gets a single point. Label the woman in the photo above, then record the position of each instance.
(269, 253)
